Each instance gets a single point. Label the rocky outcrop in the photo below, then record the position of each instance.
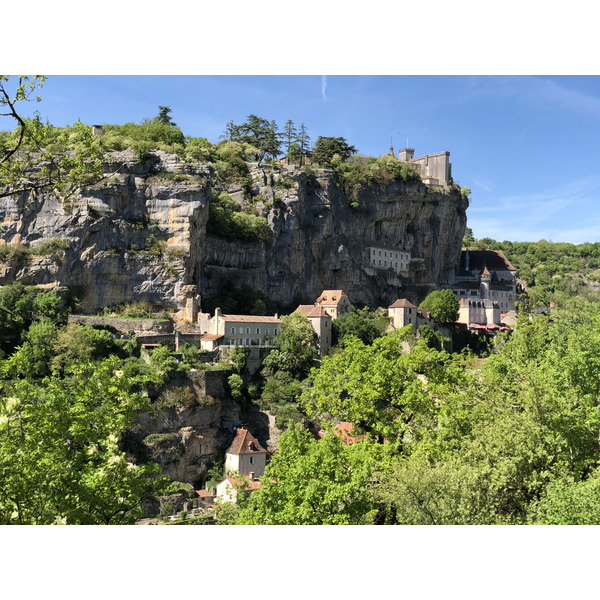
(141, 234)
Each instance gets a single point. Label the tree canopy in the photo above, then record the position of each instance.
(443, 306)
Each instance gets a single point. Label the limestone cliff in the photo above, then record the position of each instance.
(117, 230)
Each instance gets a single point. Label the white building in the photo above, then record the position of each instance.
(383, 257)
(245, 455)
(335, 303)
(241, 330)
(404, 313)
(485, 285)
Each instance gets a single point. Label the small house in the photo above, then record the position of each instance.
(245, 455)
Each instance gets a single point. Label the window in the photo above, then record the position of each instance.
(380, 261)
(258, 330)
(258, 340)
(247, 329)
(385, 253)
(252, 460)
(385, 263)
(396, 264)
(275, 332)
(266, 331)
(233, 330)
(380, 254)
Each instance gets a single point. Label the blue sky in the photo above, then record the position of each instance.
(527, 146)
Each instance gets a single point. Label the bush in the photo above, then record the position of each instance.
(226, 220)
(54, 248)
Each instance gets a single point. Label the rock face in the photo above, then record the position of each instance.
(141, 234)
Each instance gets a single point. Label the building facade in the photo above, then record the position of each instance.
(485, 285)
(245, 455)
(335, 303)
(382, 257)
(241, 330)
(433, 168)
(403, 313)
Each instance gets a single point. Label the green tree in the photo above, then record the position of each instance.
(363, 324)
(290, 135)
(327, 147)
(60, 457)
(297, 339)
(310, 482)
(303, 141)
(51, 306)
(164, 116)
(9, 98)
(443, 306)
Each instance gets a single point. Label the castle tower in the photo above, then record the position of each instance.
(486, 278)
(406, 155)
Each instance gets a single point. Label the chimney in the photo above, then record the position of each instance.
(251, 475)
(217, 312)
(177, 341)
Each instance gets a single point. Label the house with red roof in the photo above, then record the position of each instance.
(229, 488)
(245, 455)
(403, 313)
(335, 303)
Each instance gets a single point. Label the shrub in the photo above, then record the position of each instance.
(54, 248)
(226, 220)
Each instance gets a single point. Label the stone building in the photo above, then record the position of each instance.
(335, 303)
(404, 313)
(241, 330)
(485, 285)
(383, 257)
(245, 455)
(434, 169)
(321, 322)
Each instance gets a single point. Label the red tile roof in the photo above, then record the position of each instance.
(331, 297)
(208, 337)
(312, 310)
(344, 430)
(250, 319)
(244, 443)
(403, 303)
(250, 484)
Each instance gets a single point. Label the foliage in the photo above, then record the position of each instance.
(552, 271)
(356, 176)
(226, 219)
(443, 306)
(326, 148)
(60, 459)
(311, 482)
(256, 133)
(365, 324)
(64, 160)
(297, 340)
